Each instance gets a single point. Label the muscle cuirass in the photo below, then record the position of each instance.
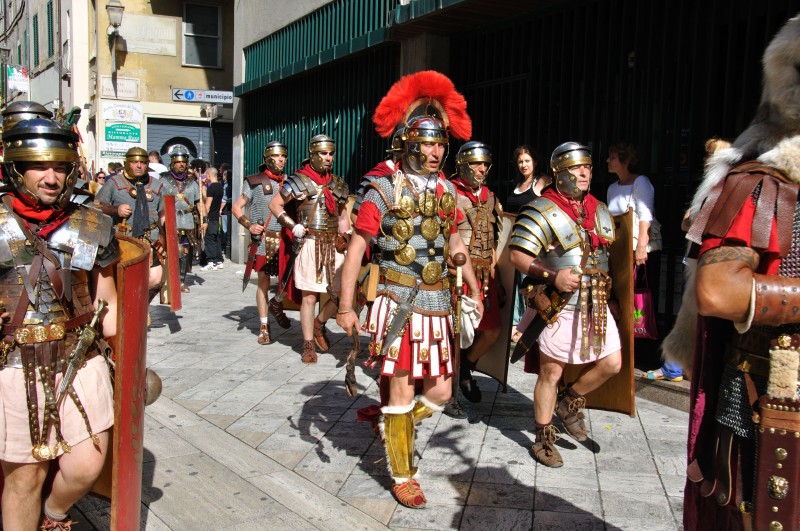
(413, 239)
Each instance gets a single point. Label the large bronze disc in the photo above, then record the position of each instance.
(427, 204)
(405, 254)
(432, 273)
(446, 203)
(404, 208)
(430, 228)
(402, 230)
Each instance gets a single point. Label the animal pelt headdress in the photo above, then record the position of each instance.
(423, 93)
(773, 138)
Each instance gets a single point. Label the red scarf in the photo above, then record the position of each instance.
(572, 208)
(469, 193)
(322, 180)
(47, 218)
(276, 178)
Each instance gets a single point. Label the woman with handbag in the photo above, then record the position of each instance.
(634, 190)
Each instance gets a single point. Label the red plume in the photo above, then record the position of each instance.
(427, 84)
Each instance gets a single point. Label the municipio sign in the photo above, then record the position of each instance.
(202, 96)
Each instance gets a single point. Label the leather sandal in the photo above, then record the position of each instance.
(570, 410)
(409, 494)
(309, 353)
(320, 337)
(544, 449)
(453, 409)
(264, 336)
(184, 288)
(276, 310)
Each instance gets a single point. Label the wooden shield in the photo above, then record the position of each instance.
(121, 479)
(171, 270)
(495, 362)
(618, 393)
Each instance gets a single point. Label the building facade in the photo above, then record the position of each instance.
(162, 77)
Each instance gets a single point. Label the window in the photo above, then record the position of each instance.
(36, 40)
(202, 42)
(50, 47)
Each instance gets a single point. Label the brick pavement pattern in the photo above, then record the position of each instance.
(248, 437)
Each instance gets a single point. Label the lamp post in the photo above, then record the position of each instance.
(115, 9)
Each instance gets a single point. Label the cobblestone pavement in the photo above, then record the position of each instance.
(247, 437)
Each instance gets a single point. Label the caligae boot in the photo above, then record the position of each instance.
(543, 449)
(309, 353)
(569, 409)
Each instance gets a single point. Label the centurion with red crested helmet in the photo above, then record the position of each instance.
(412, 215)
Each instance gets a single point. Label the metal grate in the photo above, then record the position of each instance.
(665, 75)
(338, 101)
(338, 29)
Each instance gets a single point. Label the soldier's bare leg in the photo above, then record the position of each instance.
(485, 339)
(307, 314)
(22, 494)
(596, 374)
(78, 470)
(155, 276)
(327, 311)
(437, 390)
(546, 389)
(401, 389)
(262, 293)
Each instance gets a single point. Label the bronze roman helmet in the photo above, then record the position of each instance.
(40, 140)
(274, 148)
(564, 157)
(19, 111)
(318, 144)
(471, 152)
(135, 154)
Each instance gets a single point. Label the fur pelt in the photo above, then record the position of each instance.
(773, 137)
(678, 346)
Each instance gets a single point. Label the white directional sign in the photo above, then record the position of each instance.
(202, 96)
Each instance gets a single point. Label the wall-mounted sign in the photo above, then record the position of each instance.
(18, 79)
(118, 111)
(123, 133)
(202, 96)
(113, 154)
(124, 88)
(120, 147)
(149, 34)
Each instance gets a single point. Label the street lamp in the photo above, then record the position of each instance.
(114, 8)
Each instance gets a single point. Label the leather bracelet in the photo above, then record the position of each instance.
(346, 310)
(244, 222)
(540, 271)
(773, 304)
(285, 220)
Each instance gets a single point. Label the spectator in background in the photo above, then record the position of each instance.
(100, 177)
(225, 218)
(156, 163)
(529, 187)
(213, 203)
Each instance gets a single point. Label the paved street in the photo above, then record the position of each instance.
(247, 437)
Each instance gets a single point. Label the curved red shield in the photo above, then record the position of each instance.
(171, 268)
(121, 480)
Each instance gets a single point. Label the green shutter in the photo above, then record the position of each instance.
(50, 36)
(35, 40)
